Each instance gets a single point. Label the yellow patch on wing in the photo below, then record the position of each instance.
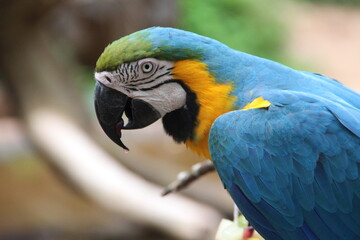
(214, 99)
(259, 102)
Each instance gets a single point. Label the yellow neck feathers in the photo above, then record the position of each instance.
(214, 99)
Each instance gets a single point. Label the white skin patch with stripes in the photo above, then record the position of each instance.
(148, 79)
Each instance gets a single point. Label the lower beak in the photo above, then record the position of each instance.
(110, 105)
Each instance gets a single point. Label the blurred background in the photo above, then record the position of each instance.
(61, 178)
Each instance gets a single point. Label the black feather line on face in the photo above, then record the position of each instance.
(181, 123)
(145, 78)
(150, 81)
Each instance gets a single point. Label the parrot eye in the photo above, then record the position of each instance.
(147, 67)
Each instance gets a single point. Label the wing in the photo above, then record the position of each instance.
(292, 169)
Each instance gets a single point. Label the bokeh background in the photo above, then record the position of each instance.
(61, 178)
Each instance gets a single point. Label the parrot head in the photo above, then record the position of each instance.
(162, 73)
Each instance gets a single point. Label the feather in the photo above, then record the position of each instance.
(336, 224)
(306, 187)
(319, 227)
(254, 216)
(304, 194)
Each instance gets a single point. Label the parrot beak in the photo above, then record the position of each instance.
(110, 105)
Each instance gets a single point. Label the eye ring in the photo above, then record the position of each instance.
(147, 67)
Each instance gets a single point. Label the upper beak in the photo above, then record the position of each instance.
(110, 105)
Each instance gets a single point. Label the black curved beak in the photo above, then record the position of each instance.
(110, 105)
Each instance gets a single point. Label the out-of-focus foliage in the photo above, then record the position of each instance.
(246, 25)
(345, 2)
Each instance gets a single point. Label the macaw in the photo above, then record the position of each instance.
(285, 143)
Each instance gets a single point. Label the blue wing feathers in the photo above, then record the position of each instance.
(356, 186)
(334, 221)
(267, 168)
(352, 170)
(319, 227)
(297, 166)
(306, 175)
(304, 194)
(355, 213)
(349, 117)
(250, 166)
(254, 155)
(248, 185)
(335, 172)
(343, 195)
(282, 163)
(350, 223)
(268, 190)
(258, 220)
(339, 161)
(307, 232)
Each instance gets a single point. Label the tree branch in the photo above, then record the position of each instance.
(113, 186)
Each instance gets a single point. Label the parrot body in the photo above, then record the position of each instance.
(285, 143)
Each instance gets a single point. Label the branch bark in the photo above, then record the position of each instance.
(114, 187)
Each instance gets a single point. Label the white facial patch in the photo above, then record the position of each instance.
(148, 79)
(165, 98)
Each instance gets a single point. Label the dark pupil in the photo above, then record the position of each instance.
(147, 66)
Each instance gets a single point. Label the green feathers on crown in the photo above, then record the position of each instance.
(161, 43)
(125, 49)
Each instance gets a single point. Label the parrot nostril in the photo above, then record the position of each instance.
(107, 78)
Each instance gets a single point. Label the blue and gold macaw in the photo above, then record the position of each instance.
(285, 143)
